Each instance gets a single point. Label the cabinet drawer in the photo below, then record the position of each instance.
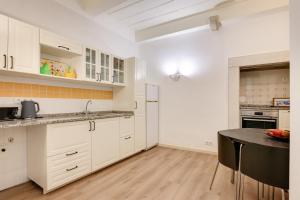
(126, 126)
(64, 137)
(53, 40)
(76, 153)
(68, 172)
(126, 146)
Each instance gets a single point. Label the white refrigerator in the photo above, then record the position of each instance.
(152, 113)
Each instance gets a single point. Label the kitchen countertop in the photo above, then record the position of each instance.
(263, 107)
(63, 118)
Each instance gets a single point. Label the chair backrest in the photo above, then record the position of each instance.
(228, 152)
(268, 165)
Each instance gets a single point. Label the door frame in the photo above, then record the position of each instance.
(234, 65)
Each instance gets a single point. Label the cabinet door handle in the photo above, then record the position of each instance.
(12, 62)
(127, 137)
(136, 105)
(71, 154)
(63, 47)
(90, 126)
(99, 77)
(113, 79)
(70, 169)
(5, 61)
(94, 125)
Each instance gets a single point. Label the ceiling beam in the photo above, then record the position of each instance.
(97, 7)
(226, 12)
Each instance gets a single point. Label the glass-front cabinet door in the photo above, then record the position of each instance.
(91, 65)
(105, 60)
(118, 70)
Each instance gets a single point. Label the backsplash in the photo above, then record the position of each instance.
(11, 89)
(260, 87)
(54, 99)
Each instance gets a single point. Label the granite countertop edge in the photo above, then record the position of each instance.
(63, 118)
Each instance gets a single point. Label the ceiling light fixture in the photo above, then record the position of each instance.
(175, 77)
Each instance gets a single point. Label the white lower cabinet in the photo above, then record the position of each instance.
(126, 146)
(58, 154)
(105, 142)
(126, 136)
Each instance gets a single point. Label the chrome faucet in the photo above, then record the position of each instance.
(86, 106)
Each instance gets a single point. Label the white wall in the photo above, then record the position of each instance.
(295, 100)
(193, 109)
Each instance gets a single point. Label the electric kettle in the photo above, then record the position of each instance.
(29, 109)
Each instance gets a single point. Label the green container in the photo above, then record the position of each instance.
(45, 69)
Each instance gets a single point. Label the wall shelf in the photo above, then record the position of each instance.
(58, 79)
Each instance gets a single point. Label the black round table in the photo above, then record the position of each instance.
(261, 157)
(254, 136)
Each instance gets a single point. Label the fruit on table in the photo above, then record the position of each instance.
(279, 132)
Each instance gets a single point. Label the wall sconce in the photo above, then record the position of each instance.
(176, 76)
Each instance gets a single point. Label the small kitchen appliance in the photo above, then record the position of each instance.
(29, 109)
(8, 113)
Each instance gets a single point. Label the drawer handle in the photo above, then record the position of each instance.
(127, 137)
(71, 154)
(127, 117)
(70, 169)
(67, 48)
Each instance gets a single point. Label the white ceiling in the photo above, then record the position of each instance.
(139, 14)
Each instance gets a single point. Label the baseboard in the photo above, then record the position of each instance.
(188, 149)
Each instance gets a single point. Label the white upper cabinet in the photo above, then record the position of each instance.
(3, 41)
(56, 41)
(118, 71)
(23, 47)
(105, 65)
(91, 65)
(140, 78)
(19, 46)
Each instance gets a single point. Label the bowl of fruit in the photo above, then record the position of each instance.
(279, 134)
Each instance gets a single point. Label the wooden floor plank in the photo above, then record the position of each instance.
(158, 174)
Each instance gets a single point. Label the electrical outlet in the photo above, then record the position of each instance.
(208, 143)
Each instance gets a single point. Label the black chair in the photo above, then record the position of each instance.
(267, 165)
(228, 155)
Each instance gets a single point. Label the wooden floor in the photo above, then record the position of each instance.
(158, 174)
